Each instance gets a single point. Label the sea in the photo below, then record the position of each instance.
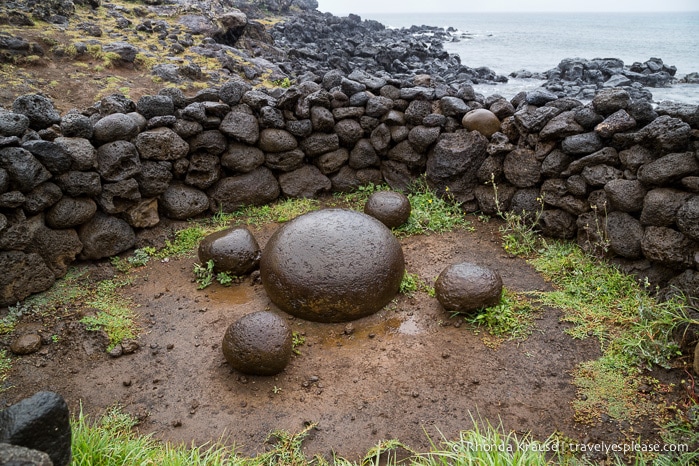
(537, 42)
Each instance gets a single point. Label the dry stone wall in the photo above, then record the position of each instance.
(619, 175)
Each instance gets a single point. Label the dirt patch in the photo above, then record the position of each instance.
(408, 372)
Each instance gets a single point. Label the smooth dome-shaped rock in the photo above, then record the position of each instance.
(234, 250)
(258, 344)
(389, 207)
(467, 287)
(481, 120)
(332, 265)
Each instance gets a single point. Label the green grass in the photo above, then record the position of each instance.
(634, 330)
(114, 313)
(412, 283)
(511, 319)
(279, 212)
(5, 366)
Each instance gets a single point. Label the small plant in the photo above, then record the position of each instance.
(412, 283)
(204, 274)
(5, 366)
(184, 243)
(283, 83)
(297, 340)
(519, 234)
(276, 390)
(510, 319)
(431, 213)
(114, 315)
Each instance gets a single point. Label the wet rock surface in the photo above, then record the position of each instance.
(332, 265)
(467, 287)
(389, 207)
(258, 344)
(233, 250)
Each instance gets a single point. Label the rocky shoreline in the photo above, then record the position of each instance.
(210, 41)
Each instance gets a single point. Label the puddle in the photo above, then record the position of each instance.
(232, 295)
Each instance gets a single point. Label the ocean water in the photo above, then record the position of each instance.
(508, 42)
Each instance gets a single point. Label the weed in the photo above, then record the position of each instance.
(111, 441)
(184, 243)
(519, 234)
(114, 314)
(634, 331)
(225, 278)
(511, 319)
(204, 274)
(297, 340)
(412, 283)
(5, 366)
(431, 213)
(283, 83)
(276, 390)
(280, 211)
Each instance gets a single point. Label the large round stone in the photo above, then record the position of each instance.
(467, 287)
(258, 344)
(389, 207)
(332, 265)
(234, 250)
(481, 120)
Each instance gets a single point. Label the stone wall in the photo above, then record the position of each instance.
(619, 175)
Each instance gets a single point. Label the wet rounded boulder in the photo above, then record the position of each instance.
(467, 287)
(332, 265)
(481, 120)
(258, 344)
(233, 250)
(389, 207)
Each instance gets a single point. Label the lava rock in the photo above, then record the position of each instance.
(13, 124)
(688, 218)
(233, 250)
(258, 187)
(105, 236)
(117, 161)
(23, 274)
(258, 344)
(181, 202)
(155, 105)
(481, 120)
(332, 265)
(16, 455)
(26, 344)
(38, 109)
(25, 171)
(389, 207)
(467, 287)
(114, 127)
(41, 422)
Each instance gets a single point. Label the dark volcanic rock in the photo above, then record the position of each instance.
(258, 344)
(23, 274)
(454, 161)
(38, 109)
(389, 207)
(181, 202)
(105, 236)
(233, 250)
(41, 422)
(467, 287)
(323, 266)
(257, 187)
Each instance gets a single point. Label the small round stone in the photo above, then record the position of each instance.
(481, 120)
(26, 344)
(467, 287)
(234, 250)
(389, 207)
(258, 344)
(332, 265)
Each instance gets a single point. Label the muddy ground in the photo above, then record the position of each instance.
(410, 372)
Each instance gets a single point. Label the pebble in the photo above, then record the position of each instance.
(127, 383)
(26, 344)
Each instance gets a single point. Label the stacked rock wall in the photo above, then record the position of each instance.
(616, 173)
